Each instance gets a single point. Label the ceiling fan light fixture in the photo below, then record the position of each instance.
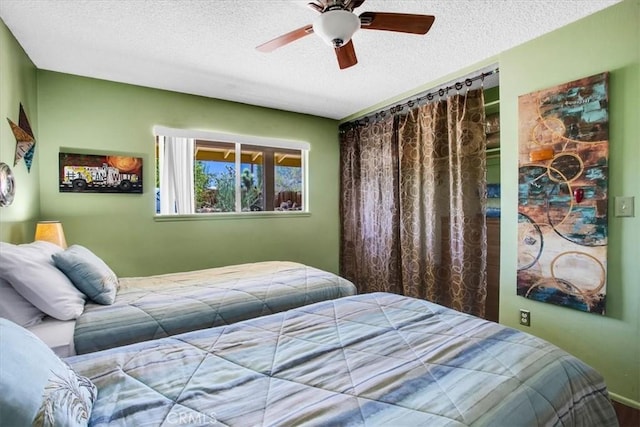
(336, 27)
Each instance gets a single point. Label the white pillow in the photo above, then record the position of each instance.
(17, 309)
(32, 273)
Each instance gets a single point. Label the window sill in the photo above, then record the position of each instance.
(231, 215)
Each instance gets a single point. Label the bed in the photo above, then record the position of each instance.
(158, 306)
(369, 359)
(89, 308)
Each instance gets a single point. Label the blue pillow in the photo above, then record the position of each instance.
(88, 273)
(37, 387)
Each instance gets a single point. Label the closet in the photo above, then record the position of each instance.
(492, 129)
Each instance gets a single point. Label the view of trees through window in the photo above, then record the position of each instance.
(265, 178)
(215, 189)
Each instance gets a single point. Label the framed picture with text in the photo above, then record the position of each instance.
(90, 173)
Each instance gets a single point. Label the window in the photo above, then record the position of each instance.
(203, 172)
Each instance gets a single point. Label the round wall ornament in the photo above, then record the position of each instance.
(7, 185)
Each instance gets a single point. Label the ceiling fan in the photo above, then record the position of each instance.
(337, 23)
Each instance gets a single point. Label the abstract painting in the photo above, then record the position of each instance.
(89, 173)
(562, 194)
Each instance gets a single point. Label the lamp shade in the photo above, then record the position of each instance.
(51, 231)
(336, 27)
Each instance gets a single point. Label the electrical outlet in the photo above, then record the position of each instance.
(525, 317)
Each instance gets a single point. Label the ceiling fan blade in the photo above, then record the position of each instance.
(400, 22)
(284, 39)
(315, 6)
(346, 55)
(352, 4)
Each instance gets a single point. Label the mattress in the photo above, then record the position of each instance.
(57, 334)
(370, 359)
(158, 306)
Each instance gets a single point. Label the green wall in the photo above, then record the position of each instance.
(18, 85)
(606, 41)
(96, 116)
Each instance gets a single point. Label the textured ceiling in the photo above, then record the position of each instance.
(207, 47)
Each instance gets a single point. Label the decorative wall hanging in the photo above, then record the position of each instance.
(562, 196)
(25, 141)
(7, 185)
(88, 173)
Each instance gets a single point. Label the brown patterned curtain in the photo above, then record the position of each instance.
(370, 244)
(427, 238)
(442, 193)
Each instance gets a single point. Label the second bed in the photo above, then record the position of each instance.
(159, 306)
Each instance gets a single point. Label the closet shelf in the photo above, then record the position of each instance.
(493, 153)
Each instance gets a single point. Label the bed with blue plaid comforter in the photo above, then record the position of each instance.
(160, 306)
(371, 359)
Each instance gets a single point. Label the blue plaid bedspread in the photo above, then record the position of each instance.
(159, 306)
(372, 359)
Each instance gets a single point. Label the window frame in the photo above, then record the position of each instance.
(240, 140)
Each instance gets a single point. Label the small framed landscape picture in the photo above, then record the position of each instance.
(90, 173)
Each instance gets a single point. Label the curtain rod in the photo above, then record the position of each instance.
(429, 96)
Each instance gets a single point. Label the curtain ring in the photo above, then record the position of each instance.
(430, 96)
(441, 92)
(468, 82)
